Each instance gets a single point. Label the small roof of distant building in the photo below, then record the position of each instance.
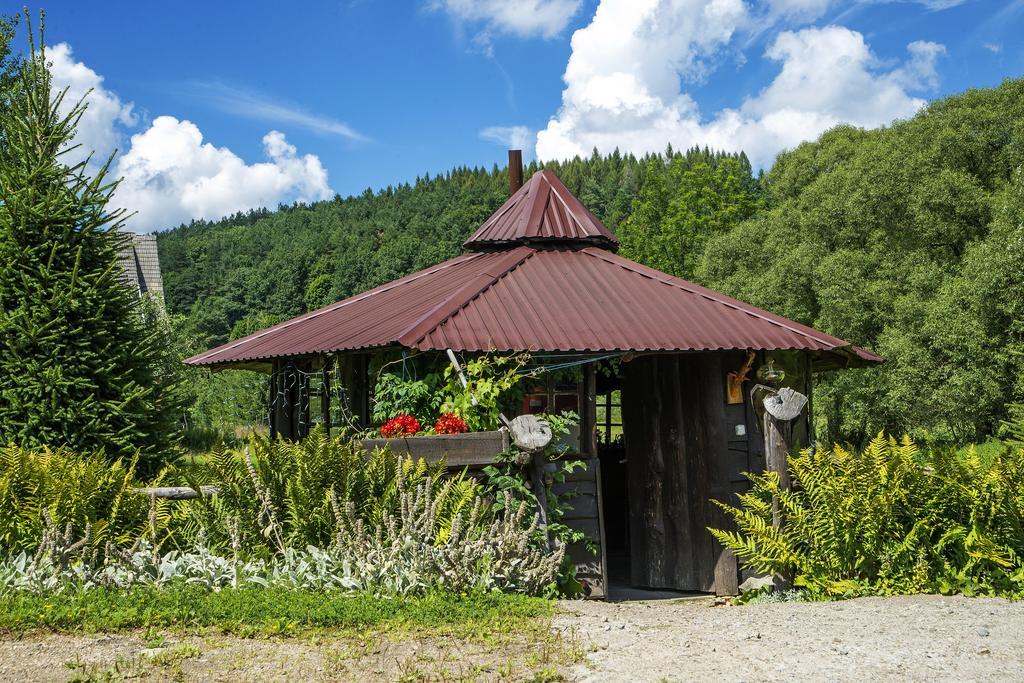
(140, 263)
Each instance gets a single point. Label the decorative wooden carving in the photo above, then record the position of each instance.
(734, 381)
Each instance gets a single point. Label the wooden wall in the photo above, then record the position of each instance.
(683, 450)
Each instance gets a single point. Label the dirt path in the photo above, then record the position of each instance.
(921, 637)
(914, 638)
(373, 657)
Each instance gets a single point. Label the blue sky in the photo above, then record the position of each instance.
(218, 106)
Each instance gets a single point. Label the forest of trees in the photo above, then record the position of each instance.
(907, 240)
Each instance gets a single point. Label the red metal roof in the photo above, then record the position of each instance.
(543, 277)
(542, 210)
(529, 298)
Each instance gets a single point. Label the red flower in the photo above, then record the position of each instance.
(450, 423)
(400, 425)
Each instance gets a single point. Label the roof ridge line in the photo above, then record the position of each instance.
(464, 295)
(330, 308)
(677, 282)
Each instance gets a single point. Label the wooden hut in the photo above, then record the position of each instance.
(542, 276)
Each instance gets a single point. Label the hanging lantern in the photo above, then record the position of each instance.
(769, 374)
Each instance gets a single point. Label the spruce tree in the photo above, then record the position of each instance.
(80, 361)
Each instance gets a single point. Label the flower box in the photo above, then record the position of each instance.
(473, 449)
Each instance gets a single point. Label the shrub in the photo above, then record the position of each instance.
(76, 491)
(399, 555)
(279, 494)
(889, 519)
(450, 423)
(317, 515)
(395, 394)
(400, 425)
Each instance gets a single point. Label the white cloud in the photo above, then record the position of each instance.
(938, 5)
(170, 175)
(254, 106)
(622, 82)
(525, 18)
(919, 72)
(805, 10)
(994, 48)
(106, 117)
(512, 137)
(809, 10)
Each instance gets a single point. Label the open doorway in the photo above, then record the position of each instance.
(611, 451)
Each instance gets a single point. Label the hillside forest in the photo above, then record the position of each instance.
(907, 240)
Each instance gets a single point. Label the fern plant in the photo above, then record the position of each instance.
(80, 491)
(889, 519)
(275, 495)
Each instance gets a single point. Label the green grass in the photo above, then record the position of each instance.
(259, 611)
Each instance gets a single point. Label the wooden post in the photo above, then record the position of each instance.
(540, 491)
(532, 435)
(283, 400)
(301, 370)
(361, 389)
(781, 407)
(776, 450)
(325, 395)
(588, 411)
(271, 393)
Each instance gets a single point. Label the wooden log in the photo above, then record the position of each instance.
(176, 492)
(776, 450)
(529, 432)
(780, 408)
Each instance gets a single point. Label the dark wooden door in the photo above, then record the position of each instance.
(677, 460)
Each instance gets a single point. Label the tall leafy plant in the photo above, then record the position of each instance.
(84, 495)
(491, 383)
(888, 519)
(276, 495)
(79, 366)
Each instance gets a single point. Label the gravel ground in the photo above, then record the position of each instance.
(916, 638)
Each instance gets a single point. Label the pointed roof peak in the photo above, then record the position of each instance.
(542, 211)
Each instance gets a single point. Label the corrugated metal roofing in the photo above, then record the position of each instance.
(542, 277)
(371, 319)
(542, 210)
(534, 299)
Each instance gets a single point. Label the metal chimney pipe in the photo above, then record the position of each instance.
(515, 170)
